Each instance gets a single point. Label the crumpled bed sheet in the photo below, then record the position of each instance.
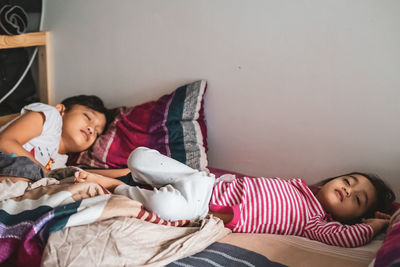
(127, 241)
(142, 239)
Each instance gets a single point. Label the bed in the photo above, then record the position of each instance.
(58, 223)
(60, 227)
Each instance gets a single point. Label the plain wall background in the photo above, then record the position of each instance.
(306, 88)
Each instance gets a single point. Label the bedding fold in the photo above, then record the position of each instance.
(127, 241)
(26, 221)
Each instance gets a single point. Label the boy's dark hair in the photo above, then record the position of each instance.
(90, 101)
(384, 195)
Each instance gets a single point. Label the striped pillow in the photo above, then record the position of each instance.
(173, 125)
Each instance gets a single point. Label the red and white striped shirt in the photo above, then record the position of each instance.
(286, 207)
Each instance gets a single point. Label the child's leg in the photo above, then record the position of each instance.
(151, 167)
(184, 194)
(187, 199)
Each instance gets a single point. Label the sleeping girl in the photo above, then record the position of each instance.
(344, 212)
(46, 133)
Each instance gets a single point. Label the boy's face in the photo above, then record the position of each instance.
(81, 126)
(347, 197)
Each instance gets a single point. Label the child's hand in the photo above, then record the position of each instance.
(381, 215)
(379, 223)
(81, 177)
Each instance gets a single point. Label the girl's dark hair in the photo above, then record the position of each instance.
(384, 195)
(90, 101)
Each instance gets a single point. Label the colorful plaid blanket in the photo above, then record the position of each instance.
(27, 221)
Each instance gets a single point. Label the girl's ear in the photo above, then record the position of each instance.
(61, 109)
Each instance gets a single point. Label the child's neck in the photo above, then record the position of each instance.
(61, 148)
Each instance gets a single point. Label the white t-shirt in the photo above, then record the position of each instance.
(45, 146)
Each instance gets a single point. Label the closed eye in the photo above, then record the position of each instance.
(358, 201)
(346, 181)
(87, 116)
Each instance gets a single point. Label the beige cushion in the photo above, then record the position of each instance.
(299, 251)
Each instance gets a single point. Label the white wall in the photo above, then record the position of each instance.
(306, 88)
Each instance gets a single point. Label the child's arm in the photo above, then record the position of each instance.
(106, 182)
(19, 132)
(110, 172)
(338, 234)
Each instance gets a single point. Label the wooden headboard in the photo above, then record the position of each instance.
(41, 40)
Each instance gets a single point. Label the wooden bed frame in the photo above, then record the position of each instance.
(41, 40)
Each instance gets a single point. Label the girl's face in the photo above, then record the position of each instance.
(347, 197)
(81, 126)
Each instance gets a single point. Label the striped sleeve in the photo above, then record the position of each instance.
(337, 234)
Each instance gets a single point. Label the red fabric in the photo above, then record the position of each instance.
(131, 132)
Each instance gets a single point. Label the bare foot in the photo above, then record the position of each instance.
(106, 182)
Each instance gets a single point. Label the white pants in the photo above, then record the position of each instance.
(180, 192)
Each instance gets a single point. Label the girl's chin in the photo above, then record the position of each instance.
(330, 205)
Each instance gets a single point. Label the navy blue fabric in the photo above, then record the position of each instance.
(220, 254)
(127, 179)
(19, 167)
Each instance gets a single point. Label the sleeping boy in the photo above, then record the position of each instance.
(46, 134)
